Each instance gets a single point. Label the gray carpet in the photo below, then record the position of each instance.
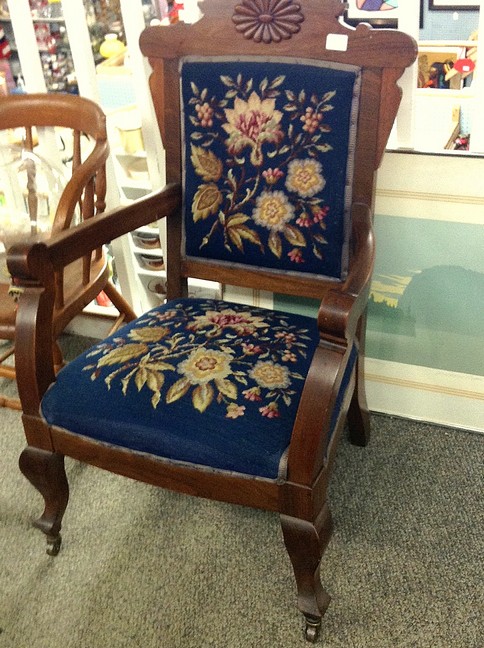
(141, 567)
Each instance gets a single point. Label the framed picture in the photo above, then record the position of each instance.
(376, 12)
(454, 5)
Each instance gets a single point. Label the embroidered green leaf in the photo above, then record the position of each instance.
(324, 148)
(328, 95)
(226, 80)
(160, 366)
(122, 354)
(320, 239)
(177, 390)
(155, 382)
(140, 377)
(275, 244)
(202, 396)
(250, 235)
(277, 81)
(235, 238)
(155, 399)
(317, 253)
(227, 388)
(294, 236)
(206, 164)
(237, 219)
(194, 88)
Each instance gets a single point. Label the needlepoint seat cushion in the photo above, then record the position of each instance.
(201, 381)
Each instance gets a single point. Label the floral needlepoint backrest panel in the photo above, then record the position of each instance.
(268, 150)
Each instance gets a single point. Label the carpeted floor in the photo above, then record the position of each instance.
(145, 568)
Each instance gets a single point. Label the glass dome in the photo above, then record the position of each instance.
(30, 189)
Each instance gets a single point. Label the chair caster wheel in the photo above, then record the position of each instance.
(54, 545)
(312, 630)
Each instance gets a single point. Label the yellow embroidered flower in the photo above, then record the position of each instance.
(206, 201)
(243, 323)
(273, 210)
(234, 410)
(271, 375)
(204, 365)
(305, 177)
(251, 123)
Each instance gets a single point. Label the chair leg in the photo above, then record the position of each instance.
(120, 303)
(45, 471)
(305, 543)
(58, 356)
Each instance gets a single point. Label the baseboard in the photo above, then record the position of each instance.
(426, 394)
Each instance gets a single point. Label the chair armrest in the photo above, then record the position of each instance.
(342, 306)
(38, 259)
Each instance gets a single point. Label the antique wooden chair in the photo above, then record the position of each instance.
(275, 116)
(25, 120)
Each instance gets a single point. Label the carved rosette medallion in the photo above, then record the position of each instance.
(268, 20)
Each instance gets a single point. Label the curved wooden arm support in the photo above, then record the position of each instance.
(73, 190)
(339, 313)
(342, 306)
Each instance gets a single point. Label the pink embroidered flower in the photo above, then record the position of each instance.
(289, 356)
(271, 176)
(311, 120)
(319, 214)
(251, 349)
(296, 255)
(251, 123)
(216, 322)
(234, 411)
(252, 394)
(270, 411)
(205, 114)
(289, 338)
(304, 220)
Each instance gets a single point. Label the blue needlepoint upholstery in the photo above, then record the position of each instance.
(268, 162)
(202, 381)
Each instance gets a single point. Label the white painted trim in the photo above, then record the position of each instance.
(425, 394)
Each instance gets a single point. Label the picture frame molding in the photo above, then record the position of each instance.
(353, 16)
(454, 5)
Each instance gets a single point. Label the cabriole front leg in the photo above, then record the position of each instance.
(305, 543)
(45, 471)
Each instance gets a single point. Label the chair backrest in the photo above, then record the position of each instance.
(34, 122)
(275, 116)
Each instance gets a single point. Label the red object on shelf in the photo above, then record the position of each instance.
(103, 300)
(5, 51)
(464, 66)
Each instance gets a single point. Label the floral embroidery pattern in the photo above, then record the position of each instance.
(235, 357)
(256, 153)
